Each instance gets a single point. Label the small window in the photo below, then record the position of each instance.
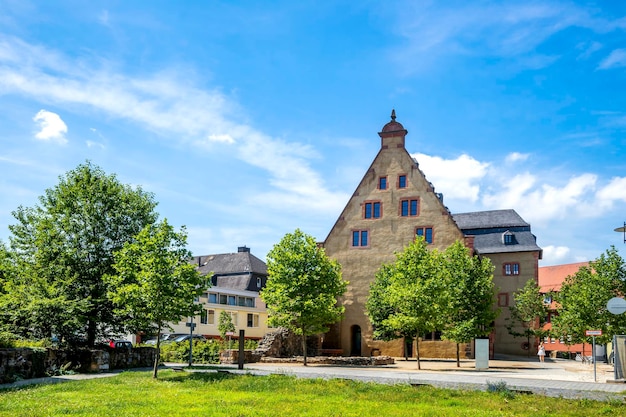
(223, 299)
(253, 320)
(508, 238)
(511, 268)
(233, 317)
(503, 299)
(372, 210)
(249, 302)
(360, 238)
(401, 181)
(204, 316)
(258, 282)
(232, 300)
(382, 183)
(210, 316)
(409, 207)
(426, 233)
(212, 298)
(241, 301)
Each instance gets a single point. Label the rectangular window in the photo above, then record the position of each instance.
(232, 300)
(511, 268)
(426, 233)
(503, 299)
(359, 238)
(223, 299)
(253, 320)
(372, 210)
(211, 317)
(382, 183)
(212, 298)
(241, 301)
(401, 181)
(233, 317)
(409, 207)
(249, 302)
(258, 282)
(204, 316)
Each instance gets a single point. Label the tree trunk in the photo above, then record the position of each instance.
(458, 357)
(406, 353)
(417, 352)
(304, 346)
(157, 357)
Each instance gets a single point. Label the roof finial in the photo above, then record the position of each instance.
(393, 114)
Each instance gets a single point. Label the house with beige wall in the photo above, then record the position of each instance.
(236, 281)
(393, 203)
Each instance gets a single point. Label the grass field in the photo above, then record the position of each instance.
(212, 394)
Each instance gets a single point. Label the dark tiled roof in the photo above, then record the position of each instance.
(492, 243)
(230, 263)
(489, 219)
(236, 282)
(488, 228)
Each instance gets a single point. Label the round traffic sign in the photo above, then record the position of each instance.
(616, 305)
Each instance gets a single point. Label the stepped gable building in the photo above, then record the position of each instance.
(235, 285)
(393, 203)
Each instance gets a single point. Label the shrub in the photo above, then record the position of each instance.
(500, 387)
(206, 352)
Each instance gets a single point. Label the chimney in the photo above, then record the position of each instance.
(241, 249)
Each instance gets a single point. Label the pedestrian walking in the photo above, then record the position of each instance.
(541, 352)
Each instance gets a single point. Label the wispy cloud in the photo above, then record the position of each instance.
(516, 157)
(165, 102)
(51, 127)
(507, 29)
(616, 59)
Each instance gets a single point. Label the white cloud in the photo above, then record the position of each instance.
(458, 178)
(555, 254)
(616, 59)
(51, 127)
(92, 144)
(516, 157)
(168, 103)
(225, 138)
(505, 29)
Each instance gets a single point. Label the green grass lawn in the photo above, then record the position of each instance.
(212, 394)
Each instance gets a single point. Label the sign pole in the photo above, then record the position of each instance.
(593, 358)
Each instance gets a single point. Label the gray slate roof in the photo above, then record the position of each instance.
(230, 263)
(489, 219)
(238, 271)
(488, 228)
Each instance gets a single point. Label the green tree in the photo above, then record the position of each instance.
(529, 311)
(64, 246)
(155, 283)
(225, 325)
(582, 299)
(470, 283)
(302, 287)
(409, 297)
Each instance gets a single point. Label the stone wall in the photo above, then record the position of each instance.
(25, 363)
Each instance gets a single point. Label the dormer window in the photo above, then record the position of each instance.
(508, 238)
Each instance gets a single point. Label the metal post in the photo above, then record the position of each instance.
(593, 358)
(191, 325)
(240, 359)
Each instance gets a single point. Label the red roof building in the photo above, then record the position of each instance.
(550, 278)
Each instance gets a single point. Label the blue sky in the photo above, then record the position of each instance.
(249, 119)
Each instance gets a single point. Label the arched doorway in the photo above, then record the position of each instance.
(355, 340)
